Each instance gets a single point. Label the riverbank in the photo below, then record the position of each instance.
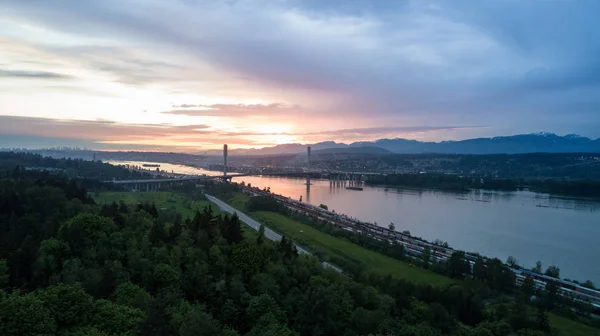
(339, 249)
(455, 183)
(327, 245)
(564, 327)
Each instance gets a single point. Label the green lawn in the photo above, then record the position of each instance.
(238, 201)
(374, 262)
(317, 241)
(163, 200)
(568, 327)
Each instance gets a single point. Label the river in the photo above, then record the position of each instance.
(529, 226)
(526, 225)
(167, 167)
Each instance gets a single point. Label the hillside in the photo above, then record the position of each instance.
(522, 143)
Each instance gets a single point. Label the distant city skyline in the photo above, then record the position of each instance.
(192, 75)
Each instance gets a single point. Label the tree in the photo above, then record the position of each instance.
(25, 315)
(287, 247)
(232, 229)
(551, 294)
(479, 269)
(131, 295)
(426, 257)
(192, 320)
(158, 234)
(261, 305)
(116, 319)
(588, 284)
(325, 308)
(538, 267)
(261, 235)
(50, 258)
(392, 226)
(247, 258)
(512, 261)
(70, 305)
(439, 318)
(268, 325)
(84, 231)
(365, 321)
(4, 274)
(83, 331)
(553, 271)
(165, 275)
(528, 287)
(162, 317)
(458, 266)
(542, 321)
(518, 316)
(176, 229)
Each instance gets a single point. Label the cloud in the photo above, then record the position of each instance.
(25, 74)
(390, 130)
(105, 133)
(237, 110)
(95, 130)
(356, 133)
(349, 63)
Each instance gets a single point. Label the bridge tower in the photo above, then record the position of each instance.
(225, 160)
(308, 153)
(308, 170)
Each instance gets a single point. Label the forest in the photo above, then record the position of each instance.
(443, 182)
(69, 266)
(73, 168)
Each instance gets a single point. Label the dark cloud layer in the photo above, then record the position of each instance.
(25, 74)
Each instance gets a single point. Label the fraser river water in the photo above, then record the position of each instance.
(526, 225)
(529, 226)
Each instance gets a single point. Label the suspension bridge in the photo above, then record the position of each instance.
(304, 169)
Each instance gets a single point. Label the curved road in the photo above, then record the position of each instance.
(256, 225)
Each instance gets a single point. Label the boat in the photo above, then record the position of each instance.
(354, 188)
(151, 165)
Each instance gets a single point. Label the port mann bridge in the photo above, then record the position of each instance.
(335, 177)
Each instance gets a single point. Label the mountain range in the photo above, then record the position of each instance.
(522, 143)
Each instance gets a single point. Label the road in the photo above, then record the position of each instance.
(270, 234)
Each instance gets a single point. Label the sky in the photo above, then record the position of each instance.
(189, 75)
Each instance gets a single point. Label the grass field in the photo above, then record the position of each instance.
(320, 242)
(239, 201)
(373, 262)
(568, 327)
(163, 200)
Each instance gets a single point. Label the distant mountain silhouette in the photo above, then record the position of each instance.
(353, 150)
(522, 143)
